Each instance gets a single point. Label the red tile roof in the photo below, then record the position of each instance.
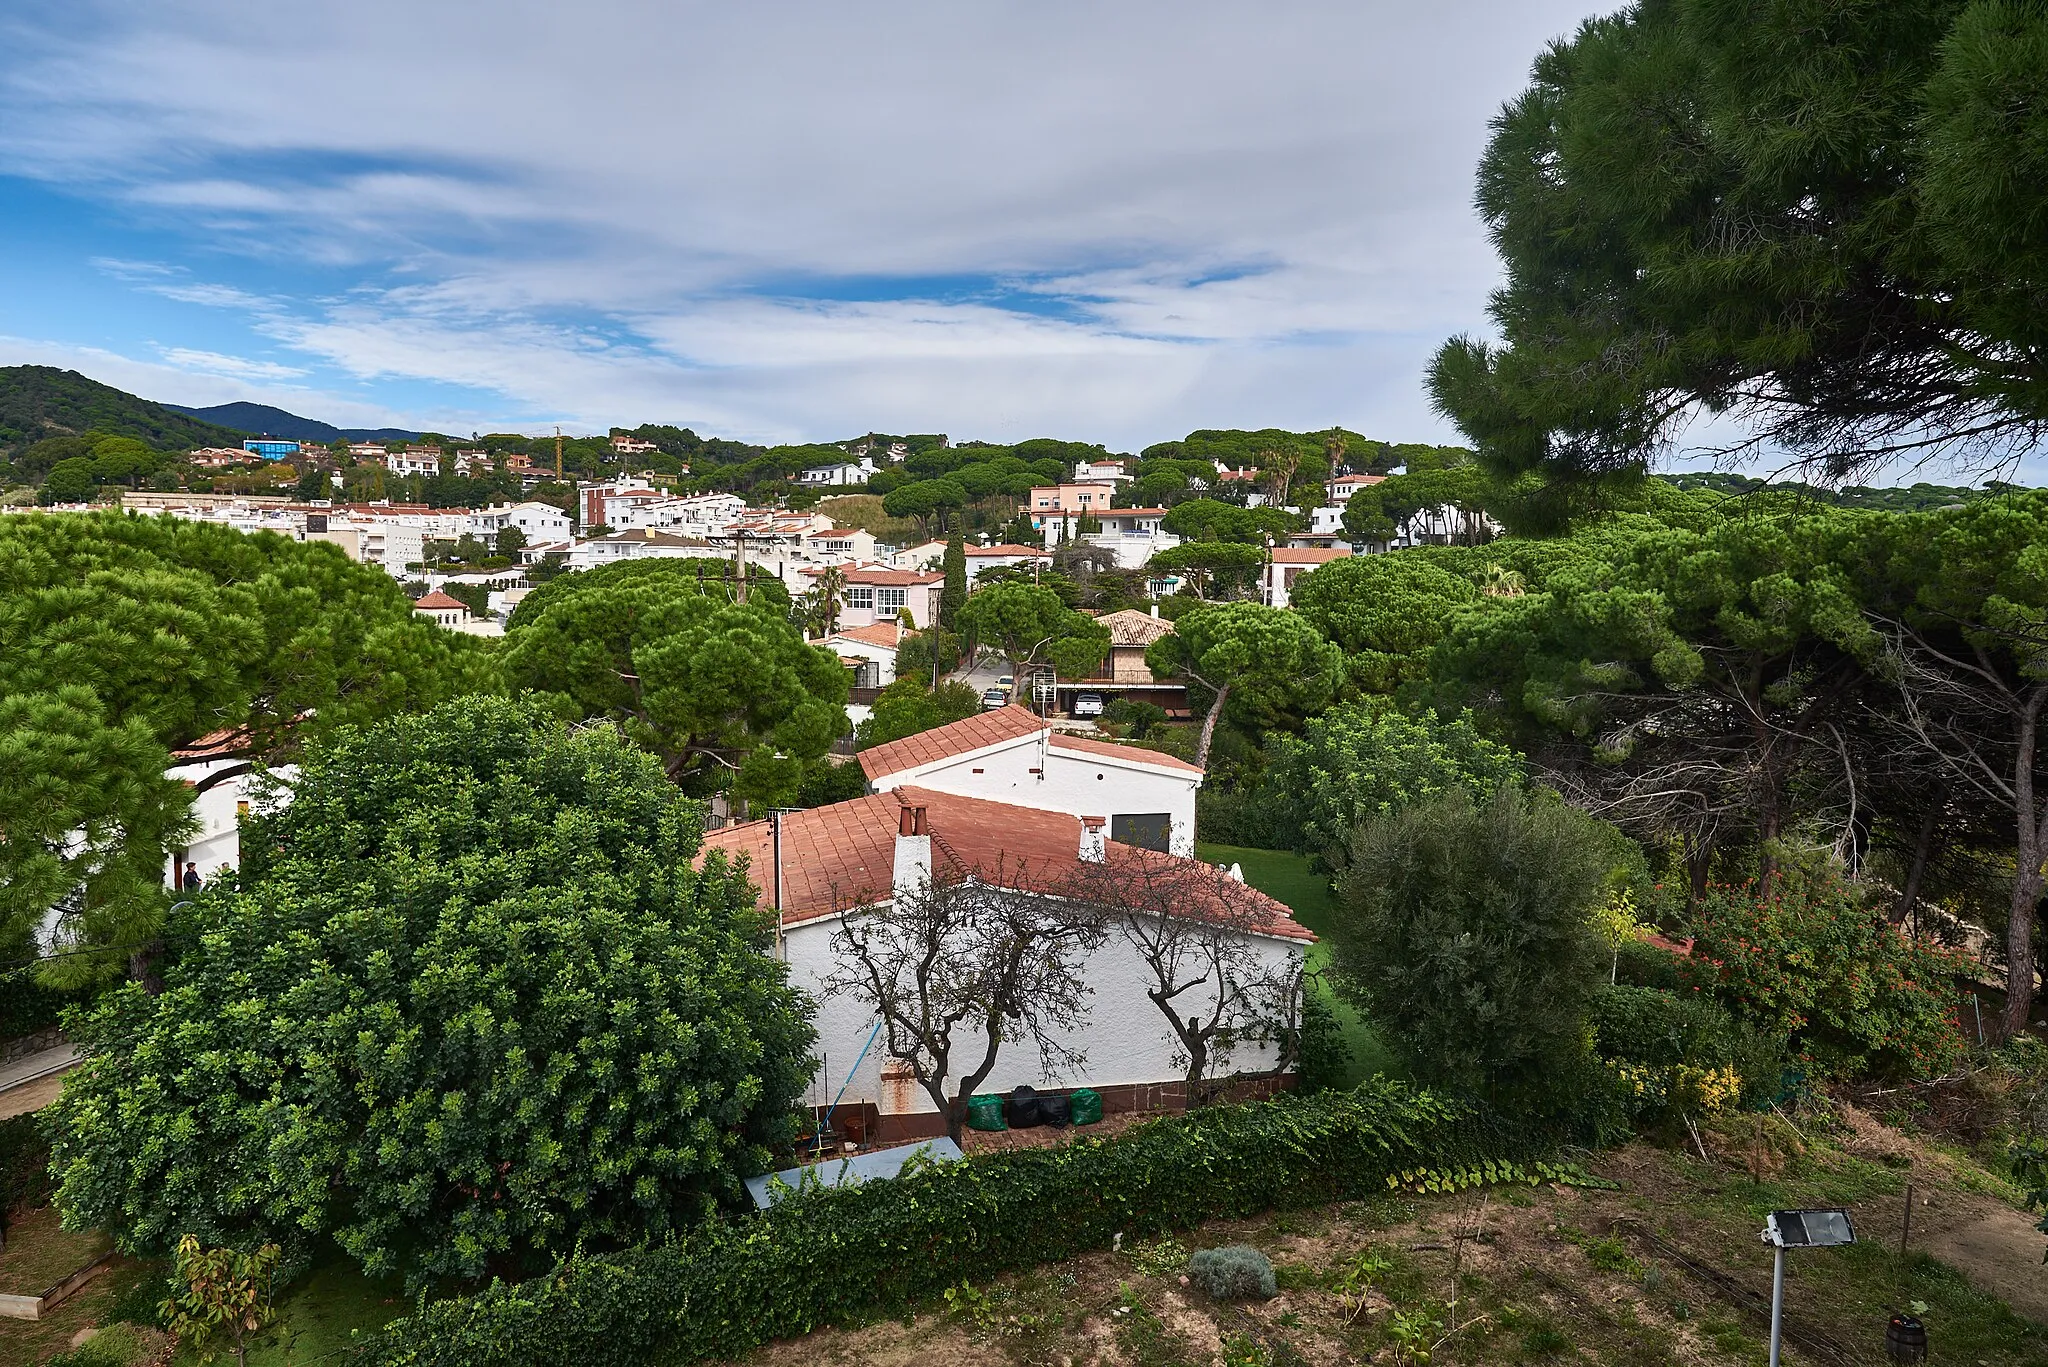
(955, 738)
(1130, 754)
(888, 634)
(1130, 627)
(438, 599)
(230, 743)
(1009, 549)
(1308, 555)
(844, 855)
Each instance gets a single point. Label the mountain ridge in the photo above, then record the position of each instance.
(39, 401)
(261, 419)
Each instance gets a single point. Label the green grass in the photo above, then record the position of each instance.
(321, 1315)
(1286, 877)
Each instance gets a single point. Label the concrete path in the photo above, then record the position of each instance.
(18, 1090)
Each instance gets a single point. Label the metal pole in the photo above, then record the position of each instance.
(1777, 1302)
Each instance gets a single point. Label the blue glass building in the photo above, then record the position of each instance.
(271, 448)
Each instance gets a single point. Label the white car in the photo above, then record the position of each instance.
(1088, 705)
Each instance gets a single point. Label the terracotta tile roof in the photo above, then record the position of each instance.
(229, 743)
(1128, 512)
(1130, 627)
(888, 634)
(1007, 548)
(844, 855)
(438, 599)
(955, 738)
(1131, 754)
(1307, 555)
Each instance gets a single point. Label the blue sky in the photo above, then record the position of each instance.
(787, 222)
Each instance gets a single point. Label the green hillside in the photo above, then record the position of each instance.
(38, 401)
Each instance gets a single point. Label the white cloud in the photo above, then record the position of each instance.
(214, 363)
(1219, 213)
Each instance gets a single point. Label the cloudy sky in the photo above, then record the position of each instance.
(1110, 222)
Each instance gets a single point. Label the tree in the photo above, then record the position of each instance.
(1819, 221)
(1030, 625)
(956, 968)
(817, 612)
(1379, 512)
(924, 500)
(954, 595)
(909, 706)
(1357, 762)
(1263, 663)
(225, 1292)
(1384, 611)
(1463, 928)
(1207, 519)
(467, 1009)
(509, 541)
(1218, 569)
(1196, 931)
(714, 687)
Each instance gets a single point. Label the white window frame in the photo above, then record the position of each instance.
(860, 596)
(891, 600)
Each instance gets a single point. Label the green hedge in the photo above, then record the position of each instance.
(27, 1006)
(828, 1257)
(24, 1165)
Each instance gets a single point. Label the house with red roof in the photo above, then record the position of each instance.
(813, 868)
(1285, 564)
(1015, 756)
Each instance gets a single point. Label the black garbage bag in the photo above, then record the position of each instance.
(1055, 1111)
(1022, 1108)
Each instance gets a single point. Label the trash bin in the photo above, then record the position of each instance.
(985, 1113)
(1084, 1107)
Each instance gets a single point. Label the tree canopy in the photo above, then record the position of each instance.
(467, 1008)
(1824, 221)
(1031, 626)
(1267, 666)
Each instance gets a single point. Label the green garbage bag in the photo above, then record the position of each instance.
(985, 1113)
(1087, 1106)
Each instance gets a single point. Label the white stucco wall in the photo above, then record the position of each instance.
(1124, 1036)
(856, 649)
(1071, 782)
(218, 812)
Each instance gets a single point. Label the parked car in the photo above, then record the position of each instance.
(1088, 705)
(993, 699)
(1008, 683)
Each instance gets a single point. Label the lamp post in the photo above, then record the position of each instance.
(1785, 1229)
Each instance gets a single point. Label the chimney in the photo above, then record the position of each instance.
(1092, 850)
(913, 873)
(1155, 609)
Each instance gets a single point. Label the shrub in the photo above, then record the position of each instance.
(1463, 929)
(24, 1165)
(828, 1256)
(468, 1006)
(1238, 1272)
(1325, 1059)
(1812, 963)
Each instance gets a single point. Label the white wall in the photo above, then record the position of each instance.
(1124, 1036)
(856, 649)
(1071, 782)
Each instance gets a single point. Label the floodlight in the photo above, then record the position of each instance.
(1809, 1229)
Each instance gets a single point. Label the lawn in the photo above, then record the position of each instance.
(1286, 877)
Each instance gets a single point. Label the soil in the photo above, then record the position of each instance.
(30, 1096)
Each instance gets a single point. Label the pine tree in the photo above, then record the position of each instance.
(955, 591)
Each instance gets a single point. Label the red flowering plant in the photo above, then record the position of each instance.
(1812, 963)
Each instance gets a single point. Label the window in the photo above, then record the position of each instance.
(860, 596)
(889, 600)
(1146, 830)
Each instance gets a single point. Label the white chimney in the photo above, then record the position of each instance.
(1092, 849)
(1155, 609)
(913, 873)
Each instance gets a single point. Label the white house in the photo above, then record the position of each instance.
(1342, 487)
(219, 770)
(632, 446)
(812, 866)
(1288, 563)
(414, 460)
(1133, 535)
(873, 645)
(838, 476)
(539, 521)
(443, 609)
(1100, 472)
(874, 593)
(1013, 755)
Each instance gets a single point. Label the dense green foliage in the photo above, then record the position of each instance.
(724, 692)
(824, 1257)
(1680, 1048)
(122, 637)
(1825, 219)
(1359, 761)
(1463, 927)
(1263, 667)
(467, 1007)
(1030, 626)
(910, 705)
(38, 401)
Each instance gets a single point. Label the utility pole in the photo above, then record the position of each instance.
(739, 565)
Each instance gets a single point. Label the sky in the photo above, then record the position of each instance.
(1106, 222)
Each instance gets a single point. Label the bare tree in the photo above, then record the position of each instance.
(1966, 704)
(1195, 929)
(958, 970)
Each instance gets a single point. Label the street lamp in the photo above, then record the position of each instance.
(1785, 1229)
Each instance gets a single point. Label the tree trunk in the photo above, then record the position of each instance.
(1198, 1064)
(1209, 727)
(1916, 872)
(956, 1114)
(2026, 883)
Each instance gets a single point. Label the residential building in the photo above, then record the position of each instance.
(1135, 535)
(1057, 500)
(1327, 520)
(1285, 564)
(641, 544)
(218, 457)
(538, 521)
(443, 609)
(220, 770)
(414, 460)
(367, 450)
(876, 593)
(1101, 472)
(813, 866)
(1342, 487)
(632, 446)
(271, 448)
(1014, 755)
(1124, 673)
(838, 476)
